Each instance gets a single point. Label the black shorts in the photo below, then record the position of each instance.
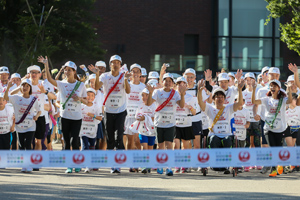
(197, 128)
(165, 134)
(205, 132)
(295, 132)
(287, 132)
(185, 133)
(40, 128)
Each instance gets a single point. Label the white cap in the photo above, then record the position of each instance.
(91, 90)
(223, 77)
(71, 64)
(190, 71)
(144, 72)
(181, 78)
(100, 64)
(219, 89)
(16, 75)
(153, 74)
(115, 57)
(145, 90)
(275, 81)
(153, 82)
(26, 81)
(33, 67)
(231, 74)
(274, 70)
(291, 78)
(92, 76)
(4, 70)
(135, 66)
(168, 75)
(259, 76)
(266, 68)
(2, 95)
(250, 75)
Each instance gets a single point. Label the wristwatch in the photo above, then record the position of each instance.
(46, 92)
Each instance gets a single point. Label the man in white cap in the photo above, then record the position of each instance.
(115, 87)
(101, 65)
(264, 75)
(4, 75)
(143, 77)
(231, 79)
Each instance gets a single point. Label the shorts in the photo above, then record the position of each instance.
(197, 128)
(100, 131)
(295, 132)
(287, 132)
(185, 133)
(40, 128)
(127, 124)
(165, 134)
(254, 129)
(150, 140)
(205, 132)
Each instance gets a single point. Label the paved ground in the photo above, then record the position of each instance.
(54, 184)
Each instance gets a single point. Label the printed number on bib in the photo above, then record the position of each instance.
(182, 120)
(220, 128)
(4, 127)
(88, 128)
(240, 133)
(131, 110)
(276, 124)
(165, 118)
(114, 101)
(293, 122)
(73, 106)
(27, 123)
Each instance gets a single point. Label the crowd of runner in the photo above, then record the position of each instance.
(128, 108)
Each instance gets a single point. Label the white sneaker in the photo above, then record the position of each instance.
(29, 170)
(23, 169)
(87, 170)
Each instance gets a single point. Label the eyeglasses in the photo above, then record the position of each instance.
(190, 77)
(34, 72)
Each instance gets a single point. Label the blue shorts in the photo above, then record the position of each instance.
(99, 131)
(197, 128)
(150, 140)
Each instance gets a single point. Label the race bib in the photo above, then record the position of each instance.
(221, 128)
(240, 133)
(73, 106)
(182, 120)
(277, 123)
(114, 101)
(88, 129)
(293, 122)
(165, 117)
(131, 110)
(204, 119)
(27, 123)
(4, 127)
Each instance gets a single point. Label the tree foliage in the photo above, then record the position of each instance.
(66, 32)
(290, 29)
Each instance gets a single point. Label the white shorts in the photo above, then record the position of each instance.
(128, 122)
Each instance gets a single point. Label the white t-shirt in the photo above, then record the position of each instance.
(6, 119)
(247, 95)
(149, 110)
(116, 102)
(271, 105)
(241, 117)
(89, 125)
(231, 94)
(293, 116)
(20, 104)
(99, 98)
(134, 98)
(222, 127)
(73, 108)
(41, 99)
(181, 116)
(48, 86)
(165, 118)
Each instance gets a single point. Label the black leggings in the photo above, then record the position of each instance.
(70, 131)
(115, 122)
(25, 140)
(5, 141)
(14, 141)
(275, 139)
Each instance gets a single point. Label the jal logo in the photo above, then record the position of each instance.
(203, 157)
(162, 158)
(284, 155)
(244, 156)
(120, 158)
(36, 158)
(78, 158)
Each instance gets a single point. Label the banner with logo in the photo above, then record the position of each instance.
(152, 158)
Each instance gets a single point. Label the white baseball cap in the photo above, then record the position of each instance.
(33, 67)
(71, 64)
(145, 90)
(250, 75)
(168, 75)
(91, 90)
(181, 78)
(266, 68)
(153, 74)
(16, 75)
(190, 71)
(259, 76)
(4, 70)
(291, 78)
(274, 70)
(27, 81)
(144, 72)
(135, 66)
(219, 89)
(275, 81)
(115, 57)
(2, 95)
(231, 74)
(223, 77)
(92, 76)
(100, 64)
(153, 82)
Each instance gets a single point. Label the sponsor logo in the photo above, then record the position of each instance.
(244, 156)
(162, 158)
(141, 158)
(78, 158)
(284, 155)
(120, 158)
(36, 158)
(203, 157)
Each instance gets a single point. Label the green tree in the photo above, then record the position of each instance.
(290, 30)
(66, 32)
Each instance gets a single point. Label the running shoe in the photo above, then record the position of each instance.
(23, 170)
(246, 169)
(264, 170)
(279, 169)
(184, 170)
(169, 172)
(273, 173)
(95, 169)
(112, 170)
(117, 170)
(292, 168)
(35, 169)
(29, 170)
(77, 170)
(131, 170)
(177, 169)
(69, 170)
(144, 170)
(240, 169)
(259, 167)
(87, 170)
(160, 170)
(227, 171)
(286, 169)
(149, 170)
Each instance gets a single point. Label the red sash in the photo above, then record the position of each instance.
(26, 111)
(112, 89)
(165, 102)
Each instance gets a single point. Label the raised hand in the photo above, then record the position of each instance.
(182, 88)
(93, 69)
(43, 60)
(238, 74)
(9, 84)
(150, 88)
(201, 85)
(83, 67)
(127, 75)
(208, 75)
(293, 68)
(241, 84)
(42, 89)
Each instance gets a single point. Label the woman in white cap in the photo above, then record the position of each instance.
(27, 111)
(166, 100)
(184, 130)
(143, 77)
(72, 93)
(275, 119)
